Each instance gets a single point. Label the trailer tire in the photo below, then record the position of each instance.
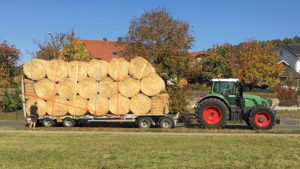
(166, 123)
(144, 122)
(47, 122)
(68, 122)
(212, 113)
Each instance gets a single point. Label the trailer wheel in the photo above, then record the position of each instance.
(166, 123)
(144, 122)
(47, 122)
(68, 122)
(262, 118)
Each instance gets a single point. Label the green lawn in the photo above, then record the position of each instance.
(33, 150)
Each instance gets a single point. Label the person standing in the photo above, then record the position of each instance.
(33, 115)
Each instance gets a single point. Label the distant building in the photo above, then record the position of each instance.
(198, 54)
(103, 49)
(290, 54)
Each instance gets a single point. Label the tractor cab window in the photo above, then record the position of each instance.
(225, 88)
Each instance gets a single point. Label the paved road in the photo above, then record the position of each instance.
(126, 125)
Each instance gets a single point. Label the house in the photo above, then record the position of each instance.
(198, 54)
(103, 49)
(288, 72)
(290, 53)
(107, 50)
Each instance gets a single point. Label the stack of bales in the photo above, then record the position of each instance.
(96, 87)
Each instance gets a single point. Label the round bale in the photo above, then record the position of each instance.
(118, 105)
(87, 87)
(129, 87)
(93, 69)
(82, 70)
(35, 69)
(80, 106)
(140, 104)
(107, 87)
(160, 104)
(118, 69)
(57, 70)
(139, 68)
(101, 105)
(66, 88)
(41, 104)
(44, 89)
(60, 107)
(152, 85)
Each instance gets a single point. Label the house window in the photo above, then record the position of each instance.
(115, 52)
(280, 52)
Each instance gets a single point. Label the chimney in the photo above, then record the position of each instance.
(119, 40)
(105, 39)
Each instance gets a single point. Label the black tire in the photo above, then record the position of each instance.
(166, 123)
(68, 122)
(47, 122)
(212, 113)
(246, 119)
(262, 118)
(144, 122)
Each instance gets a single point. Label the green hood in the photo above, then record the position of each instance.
(252, 100)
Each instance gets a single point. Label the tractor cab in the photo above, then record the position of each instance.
(231, 89)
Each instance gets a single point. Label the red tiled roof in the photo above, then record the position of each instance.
(194, 54)
(101, 49)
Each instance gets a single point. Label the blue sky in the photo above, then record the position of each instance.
(212, 21)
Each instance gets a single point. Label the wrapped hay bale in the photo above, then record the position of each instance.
(139, 68)
(87, 88)
(35, 69)
(107, 87)
(118, 105)
(93, 68)
(80, 106)
(118, 69)
(82, 70)
(152, 85)
(57, 70)
(42, 107)
(60, 107)
(44, 89)
(129, 87)
(160, 104)
(66, 88)
(140, 104)
(101, 105)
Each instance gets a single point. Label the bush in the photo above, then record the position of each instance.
(197, 86)
(286, 96)
(12, 101)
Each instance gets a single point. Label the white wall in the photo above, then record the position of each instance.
(290, 58)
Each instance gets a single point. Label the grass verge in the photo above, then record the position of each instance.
(11, 116)
(36, 150)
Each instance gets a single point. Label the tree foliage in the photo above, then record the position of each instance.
(74, 50)
(62, 46)
(217, 62)
(162, 40)
(9, 55)
(256, 63)
(294, 40)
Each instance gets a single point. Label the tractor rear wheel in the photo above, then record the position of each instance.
(212, 113)
(262, 118)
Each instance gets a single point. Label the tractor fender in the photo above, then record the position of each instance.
(201, 99)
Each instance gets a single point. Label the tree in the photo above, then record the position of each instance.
(256, 63)
(9, 55)
(74, 50)
(217, 62)
(162, 40)
(62, 46)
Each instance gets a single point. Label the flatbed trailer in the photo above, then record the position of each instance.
(142, 120)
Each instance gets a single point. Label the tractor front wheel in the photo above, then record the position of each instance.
(262, 118)
(212, 113)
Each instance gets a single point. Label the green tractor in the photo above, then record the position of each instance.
(227, 101)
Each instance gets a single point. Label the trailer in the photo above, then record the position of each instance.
(142, 120)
